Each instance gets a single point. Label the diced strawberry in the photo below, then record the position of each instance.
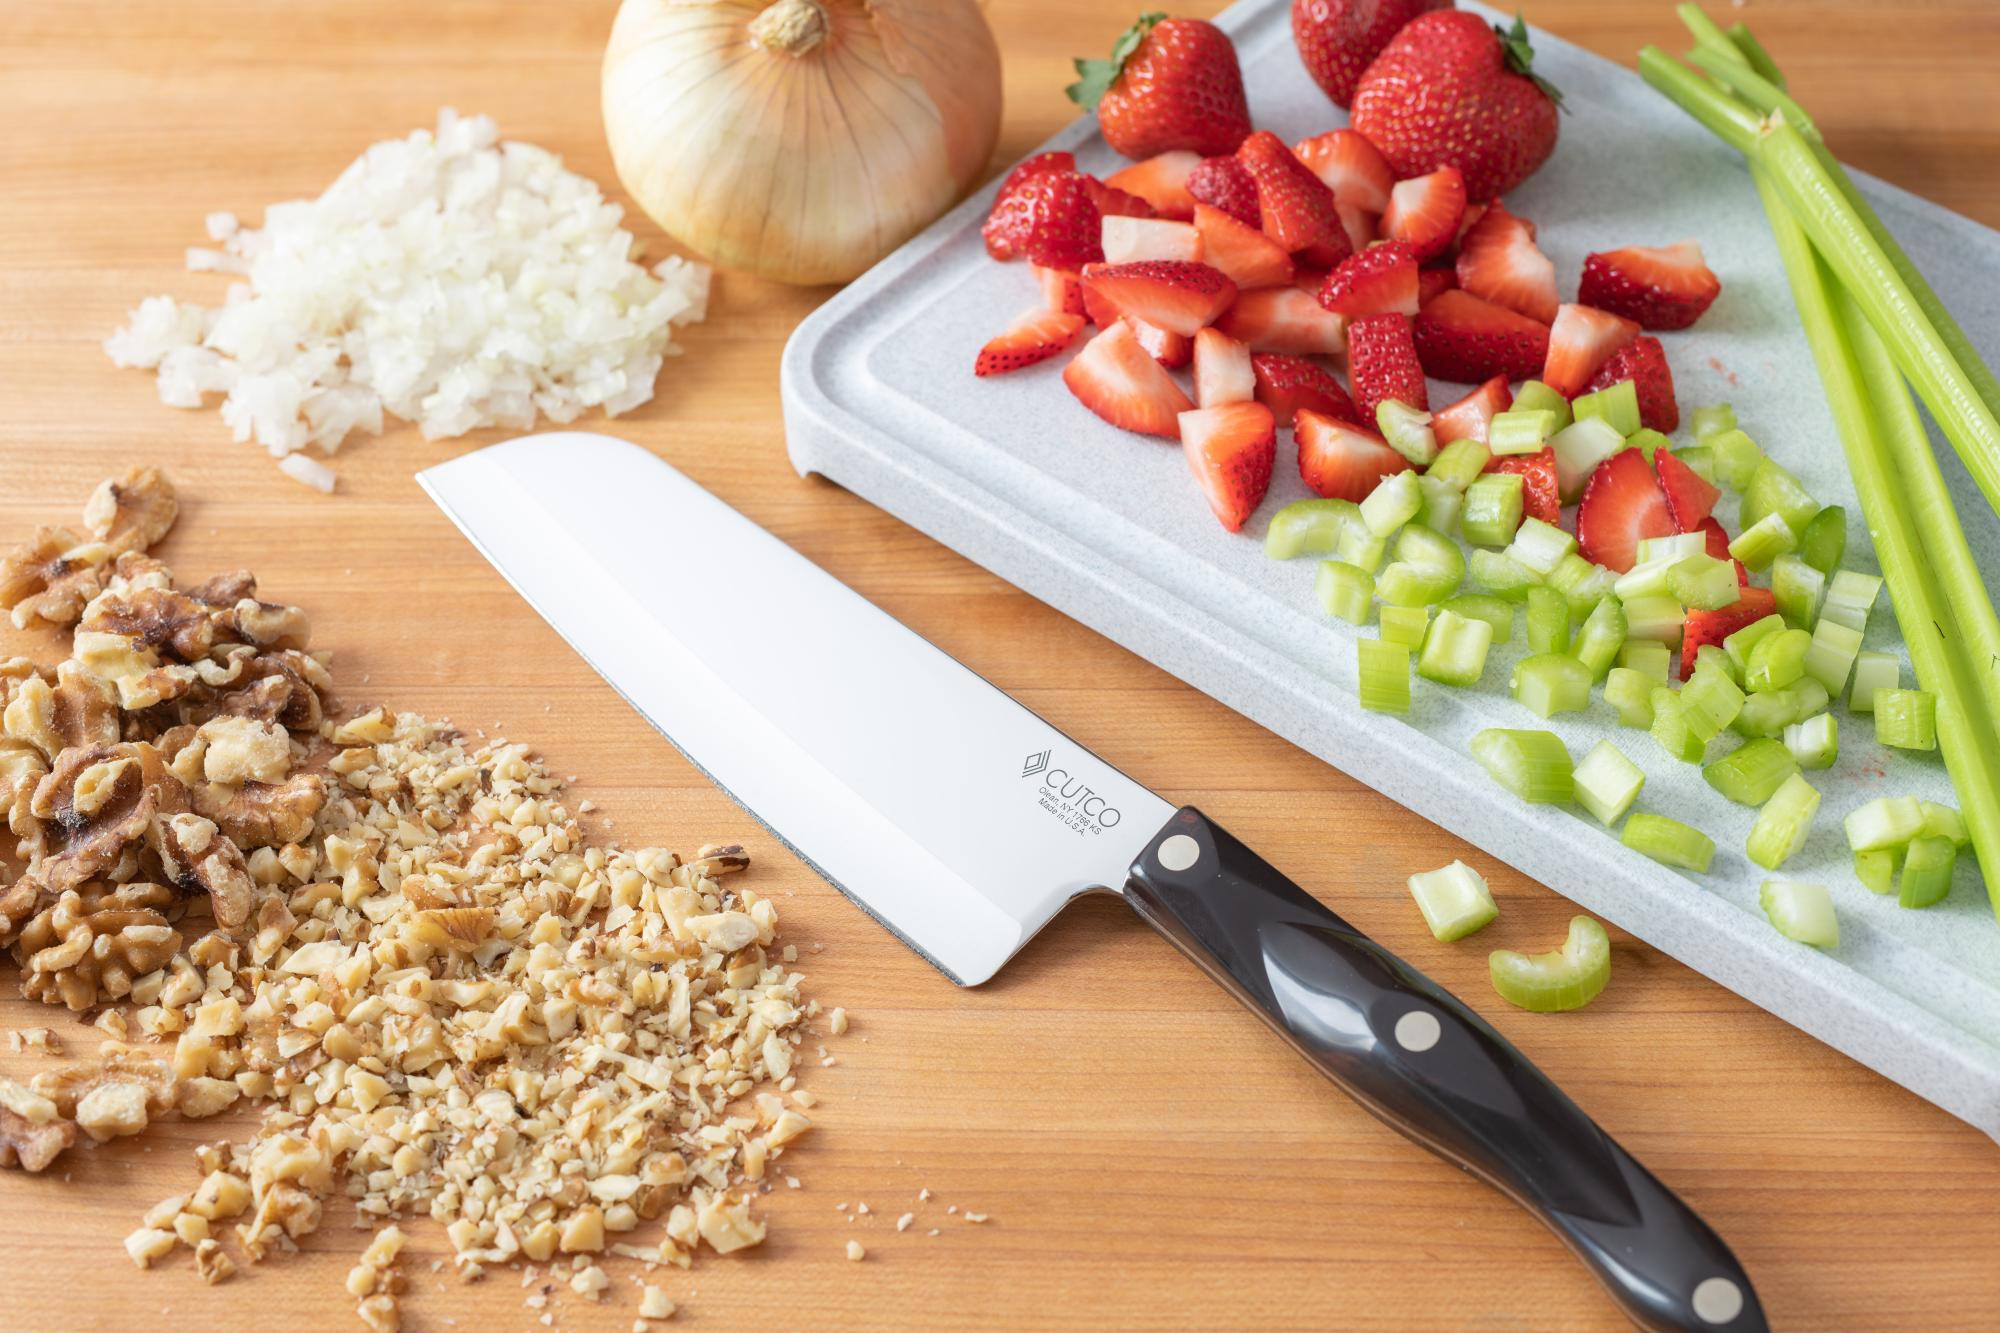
(1162, 182)
(1664, 288)
(1288, 384)
(1718, 543)
(1622, 502)
(1230, 450)
(1580, 341)
(1113, 202)
(1341, 461)
(1119, 380)
(1243, 253)
(1296, 207)
(1431, 281)
(1352, 168)
(1283, 319)
(1009, 220)
(1041, 164)
(1690, 500)
(1362, 228)
(1424, 211)
(1172, 350)
(1644, 362)
(1468, 341)
(1541, 485)
(1062, 289)
(1468, 418)
(1379, 280)
(1498, 261)
(1225, 183)
(1222, 371)
(1382, 364)
(1035, 336)
(1129, 240)
(1049, 218)
(1703, 628)
(1180, 298)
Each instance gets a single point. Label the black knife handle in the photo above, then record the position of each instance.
(1432, 1069)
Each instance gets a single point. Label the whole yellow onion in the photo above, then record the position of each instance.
(800, 139)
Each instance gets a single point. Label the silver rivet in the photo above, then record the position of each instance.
(1179, 852)
(1418, 1030)
(1717, 1300)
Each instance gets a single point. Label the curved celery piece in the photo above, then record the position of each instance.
(1428, 568)
(1671, 728)
(1925, 878)
(1778, 661)
(1502, 575)
(1454, 651)
(1715, 659)
(1763, 541)
(1533, 765)
(1520, 430)
(1585, 585)
(1765, 716)
(1801, 912)
(1495, 611)
(1535, 396)
(1493, 507)
(1548, 621)
(1408, 430)
(1551, 683)
(1631, 693)
(1751, 773)
(1362, 547)
(1774, 490)
(1669, 842)
(1394, 502)
(1744, 642)
(1345, 591)
(1815, 742)
(1704, 583)
(1308, 527)
(1382, 675)
(1602, 636)
(1460, 463)
(1454, 900)
(1562, 979)
(1886, 821)
(1617, 406)
(1539, 545)
(1824, 540)
(1783, 823)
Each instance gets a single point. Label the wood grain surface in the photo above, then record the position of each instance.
(1150, 1156)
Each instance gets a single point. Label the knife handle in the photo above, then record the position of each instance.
(1429, 1067)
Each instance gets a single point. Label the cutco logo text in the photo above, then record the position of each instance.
(1068, 797)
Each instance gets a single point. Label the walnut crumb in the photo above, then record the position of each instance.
(855, 1252)
(903, 1222)
(654, 1304)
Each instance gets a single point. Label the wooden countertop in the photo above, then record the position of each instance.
(1150, 1156)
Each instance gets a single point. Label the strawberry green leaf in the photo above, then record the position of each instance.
(1521, 58)
(1097, 76)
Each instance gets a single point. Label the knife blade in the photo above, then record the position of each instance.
(963, 823)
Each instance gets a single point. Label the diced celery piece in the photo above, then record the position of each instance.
(1460, 463)
(1548, 621)
(1802, 912)
(1783, 823)
(1581, 583)
(1713, 420)
(1383, 675)
(1764, 541)
(1404, 624)
(1659, 619)
(1774, 490)
(1535, 396)
(1618, 406)
(1454, 651)
(1534, 765)
(1454, 900)
(1678, 546)
(1877, 869)
(1906, 719)
(1708, 655)
(1345, 591)
(1925, 878)
(1941, 821)
(1736, 457)
(1560, 980)
(1494, 611)
(1551, 683)
(1711, 701)
(1810, 697)
(1700, 460)
(1442, 503)
(1394, 502)
(1815, 742)
(1669, 842)
(1799, 589)
(1743, 643)
(1421, 545)
(1492, 510)
(1872, 672)
(1649, 442)
(1703, 583)
(1309, 527)
(1646, 578)
(1849, 599)
(1631, 693)
(1765, 716)
(1581, 447)
(1886, 821)
(1362, 547)
(1653, 660)
(1671, 728)
(1428, 568)
(1824, 540)
(1538, 545)
(1520, 431)
(1752, 772)
(1607, 783)
(1834, 646)
(1777, 661)
(1502, 575)
(1408, 430)
(1602, 635)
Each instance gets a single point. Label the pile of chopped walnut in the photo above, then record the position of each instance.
(396, 939)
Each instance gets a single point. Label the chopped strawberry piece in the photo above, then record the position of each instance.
(1130, 240)
(1498, 261)
(1718, 543)
(1360, 227)
(1351, 167)
(1382, 364)
(1289, 384)
(1468, 418)
(1035, 336)
(1342, 461)
(1062, 289)
(1580, 341)
(1172, 350)
(1113, 202)
(1690, 500)
(1115, 377)
(1009, 220)
(1468, 341)
(1222, 371)
(1180, 298)
(1703, 628)
(1162, 182)
(1283, 319)
(1424, 212)
(1622, 502)
(1644, 362)
(1243, 253)
(1225, 183)
(1380, 280)
(1431, 281)
(1231, 450)
(1296, 207)
(1541, 486)
(1050, 218)
(1664, 288)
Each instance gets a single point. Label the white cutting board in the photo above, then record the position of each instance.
(1108, 527)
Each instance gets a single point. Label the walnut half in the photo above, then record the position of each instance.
(131, 512)
(32, 1133)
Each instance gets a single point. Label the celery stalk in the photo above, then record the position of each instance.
(1565, 978)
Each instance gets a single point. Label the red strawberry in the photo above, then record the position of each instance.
(1622, 502)
(1382, 364)
(1225, 183)
(1580, 341)
(1424, 212)
(1703, 628)
(1009, 220)
(1380, 280)
(1222, 371)
(1468, 418)
(1050, 218)
(1230, 450)
(1296, 207)
(1360, 227)
(1287, 384)
(1062, 289)
(1119, 380)
(1035, 336)
(1180, 298)
(1283, 319)
(1431, 281)
(1170, 83)
(1644, 362)
(1541, 486)
(1690, 500)
(1172, 350)
(1449, 89)
(1126, 240)
(1350, 166)
(1499, 262)
(1468, 341)
(1718, 541)
(1112, 202)
(1665, 288)
(1162, 182)
(1245, 255)
(1342, 461)
(1338, 38)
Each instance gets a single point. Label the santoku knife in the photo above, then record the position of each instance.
(963, 823)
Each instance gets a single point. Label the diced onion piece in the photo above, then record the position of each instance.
(1886, 821)
(1802, 912)
(1669, 842)
(1778, 661)
(1461, 463)
(1607, 783)
(1404, 624)
(1704, 583)
(1493, 508)
(1783, 823)
(1394, 502)
(1872, 672)
(1925, 878)
(1454, 900)
(1849, 599)
(1548, 621)
(1752, 773)
(1454, 651)
(1408, 430)
(1832, 654)
(1345, 591)
(1764, 541)
(1538, 545)
(1533, 765)
(310, 471)
(1520, 430)
(1815, 742)
(1906, 719)
(1309, 527)
(1562, 979)
(1383, 675)
(1631, 693)
(1551, 683)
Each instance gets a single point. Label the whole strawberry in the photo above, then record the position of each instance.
(1338, 38)
(1170, 83)
(1450, 91)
